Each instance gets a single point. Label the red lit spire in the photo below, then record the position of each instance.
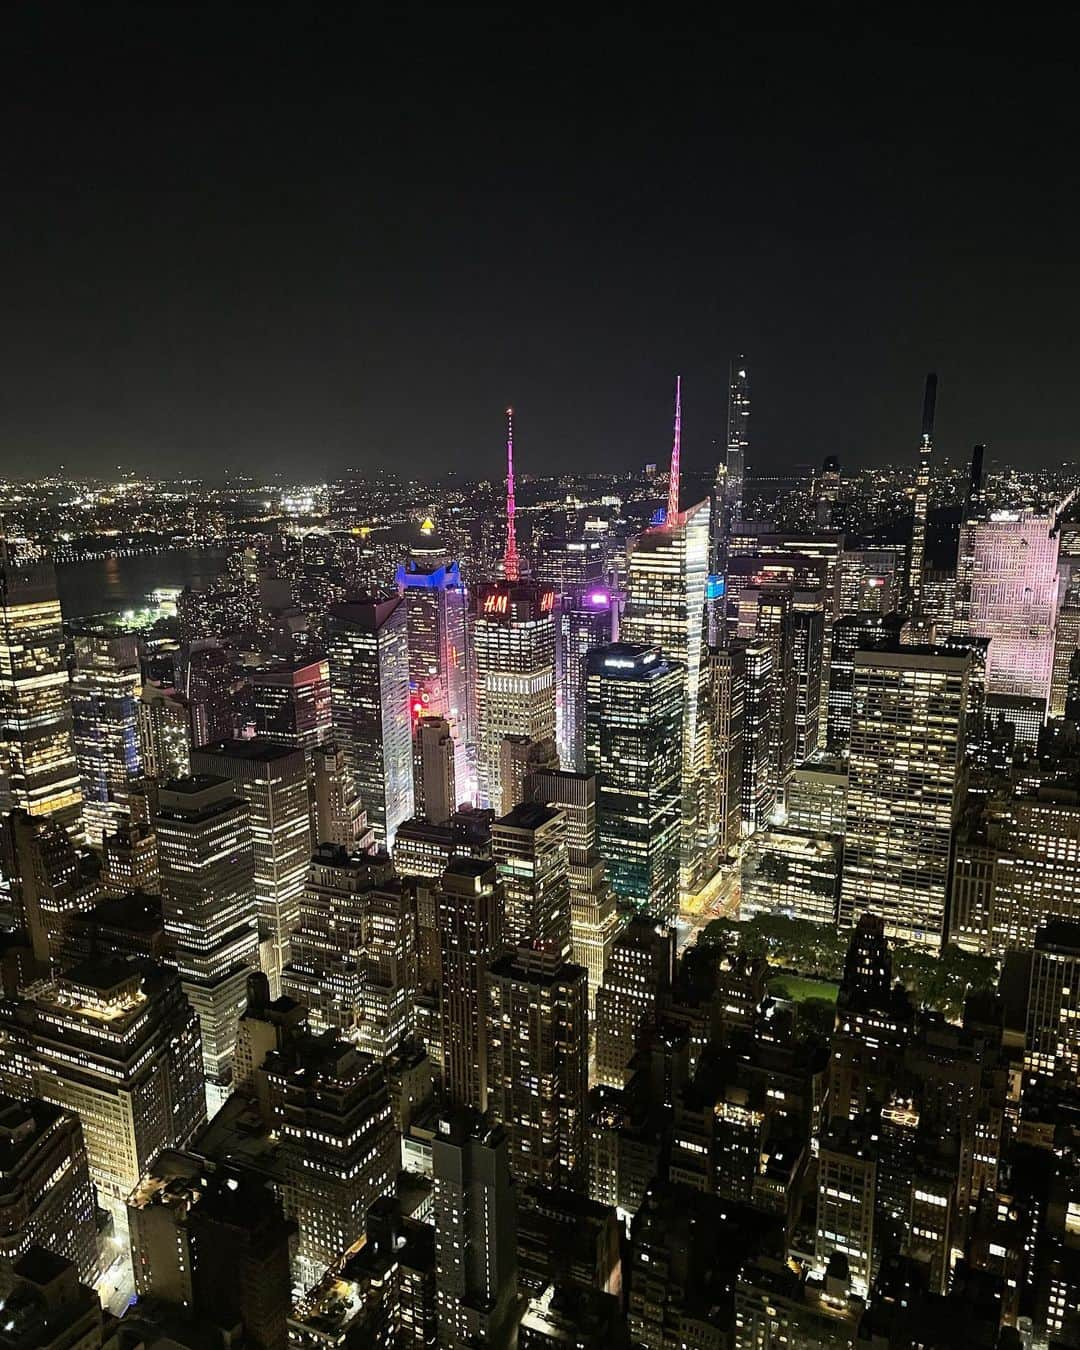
(673, 489)
(510, 557)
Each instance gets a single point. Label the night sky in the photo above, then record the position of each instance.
(320, 238)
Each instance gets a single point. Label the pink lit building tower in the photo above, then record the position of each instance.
(511, 569)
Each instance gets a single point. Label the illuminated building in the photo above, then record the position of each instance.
(49, 880)
(130, 860)
(513, 644)
(905, 788)
(792, 873)
(850, 633)
(46, 1308)
(774, 1306)
(921, 502)
(434, 774)
(1066, 645)
(475, 1234)
(272, 779)
(368, 648)
(164, 733)
(389, 965)
(118, 1044)
(528, 847)
(207, 866)
(520, 759)
(121, 925)
(665, 610)
(638, 976)
(846, 1197)
(634, 746)
(423, 850)
(470, 923)
(1006, 590)
(587, 618)
(1052, 1041)
(817, 796)
(46, 1199)
(208, 685)
(38, 769)
(594, 917)
(868, 582)
(808, 625)
(291, 703)
(759, 785)
(339, 1149)
(538, 1063)
(725, 703)
(338, 815)
(104, 690)
(738, 439)
(436, 610)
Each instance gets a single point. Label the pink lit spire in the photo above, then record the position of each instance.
(673, 489)
(510, 557)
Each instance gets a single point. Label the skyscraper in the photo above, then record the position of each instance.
(917, 551)
(528, 847)
(338, 815)
(634, 745)
(164, 733)
(849, 633)
(291, 702)
(513, 644)
(434, 773)
(104, 693)
(760, 733)
(436, 606)
(470, 923)
(49, 880)
(587, 618)
(208, 681)
(368, 649)
(207, 866)
(475, 1234)
(639, 973)
(1052, 1042)
(905, 788)
(36, 743)
(725, 703)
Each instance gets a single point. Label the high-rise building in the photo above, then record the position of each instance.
(38, 772)
(338, 815)
(725, 703)
(520, 759)
(587, 618)
(513, 646)
(208, 688)
(46, 1200)
(272, 779)
(368, 648)
(436, 607)
(738, 436)
(49, 880)
(528, 847)
(207, 864)
(905, 788)
(104, 693)
(164, 725)
(434, 772)
(1052, 1041)
(594, 917)
(775, 625)
(634, 746)
(389, 968)
(129, 860)
(338, 1144)
(759, 783)
(1066, 645)
(1007, 591)
(47, 1308)
(849, 633)
(118, 1045)
(846, 1195)
(638, 975)
(920, 506)
(291, 703)
(538, 1063)
(470, 923)
(475, 1234)
(665, 610)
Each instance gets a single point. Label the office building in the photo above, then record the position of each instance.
(665, 611)
(475, 1234)
(638, 975)
(470, 923)
(104, 692)
(846, 1195)
(339, 1149)
(125, 925)
(207, 671)
(49, 880)
(1007, 591)
(519, 760)
(389, 968)
(47, 1308)
(817, 796)
(434, 772)
(129, 860)
(1052, 1041)
(291, 703)
(272, 779)
(538, 1063)
(905, 788)
(791, 873)
(367, 643)
(850, 633)
(595, 921)
(338, 815)
(587, 617)
(46, 1199)
(634, 746)
(164, 723)
(916, 560)
(759, 764)
(513, 648)
(38, 773)
(118, 1045)
(725, 703)
(528, 848)
(207, 863)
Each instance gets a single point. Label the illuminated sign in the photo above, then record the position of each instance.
(547, 602)
(496, 604)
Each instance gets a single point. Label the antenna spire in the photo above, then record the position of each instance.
(673, 486)
(510, 557)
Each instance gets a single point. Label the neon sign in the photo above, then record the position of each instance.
(496, 604)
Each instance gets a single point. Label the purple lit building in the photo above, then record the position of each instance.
(588, 617)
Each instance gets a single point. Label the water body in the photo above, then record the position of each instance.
(112, 585)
